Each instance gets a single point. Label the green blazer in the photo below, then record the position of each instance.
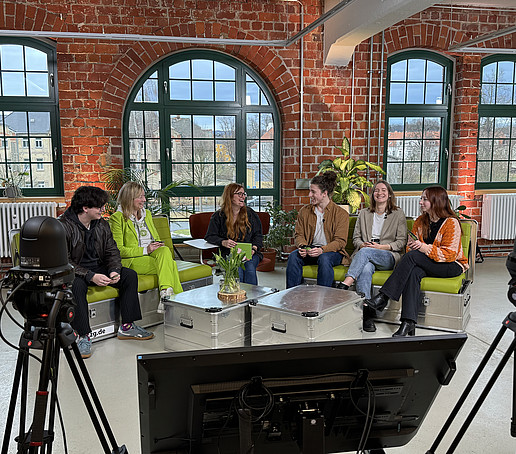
(126, 237)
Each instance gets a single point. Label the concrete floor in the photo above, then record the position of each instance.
(113, 370)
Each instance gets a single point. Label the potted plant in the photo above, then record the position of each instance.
(280, 234)
(11, 183)
(230, 264)
(350, 183)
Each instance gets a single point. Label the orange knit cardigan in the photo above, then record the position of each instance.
(447, 246)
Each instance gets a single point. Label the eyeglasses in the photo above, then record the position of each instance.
(241, 194)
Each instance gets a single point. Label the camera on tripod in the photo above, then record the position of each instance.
(39, 292)
(43, 270)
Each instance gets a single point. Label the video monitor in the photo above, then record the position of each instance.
(323, 397)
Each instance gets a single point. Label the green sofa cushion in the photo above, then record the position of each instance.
(310, 272)
(96, 293)
(189, 271)
(428, 284)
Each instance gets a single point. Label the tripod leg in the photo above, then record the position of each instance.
(53, 396)
(468, 389)
(20, 363)
(513, 419)
(87, 401)
(482, 396)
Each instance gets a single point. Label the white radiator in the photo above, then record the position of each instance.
(498, 217)
(13, 215)
(410, 204)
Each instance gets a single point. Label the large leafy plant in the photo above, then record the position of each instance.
(158, 200)
(351, 184)
(283, 224)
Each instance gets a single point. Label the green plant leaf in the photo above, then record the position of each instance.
(327, 163)
(375, 167)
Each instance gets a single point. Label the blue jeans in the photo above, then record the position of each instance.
(249, 275)
(365, 262)
(325, 263)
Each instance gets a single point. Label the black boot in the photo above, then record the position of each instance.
(367, 319)
(407, 327)
(378, 302)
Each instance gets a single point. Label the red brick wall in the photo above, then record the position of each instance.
(95, 77)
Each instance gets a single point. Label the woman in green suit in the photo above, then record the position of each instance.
(138, 240)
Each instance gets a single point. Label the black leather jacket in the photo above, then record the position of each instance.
(105, 245)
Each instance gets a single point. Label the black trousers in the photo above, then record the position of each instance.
(405, 280)
(128, 299)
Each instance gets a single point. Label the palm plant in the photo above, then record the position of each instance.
(351, 185)
(158, 199)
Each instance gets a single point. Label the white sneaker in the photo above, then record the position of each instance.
(167, 294)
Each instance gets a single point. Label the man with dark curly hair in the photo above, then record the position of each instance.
(96, 259)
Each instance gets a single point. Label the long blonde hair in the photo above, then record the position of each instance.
(236, 229)
(129, 191)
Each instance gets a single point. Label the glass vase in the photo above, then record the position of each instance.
(229, 285)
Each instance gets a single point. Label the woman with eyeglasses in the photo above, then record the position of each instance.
(237, 223)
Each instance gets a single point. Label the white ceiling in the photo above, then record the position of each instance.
(361, 19)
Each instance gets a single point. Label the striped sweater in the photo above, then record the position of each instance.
(447, 246)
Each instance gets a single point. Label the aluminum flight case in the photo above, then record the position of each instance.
(448, 311)
(306, 313)
(197, 319)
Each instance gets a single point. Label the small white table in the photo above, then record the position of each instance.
(200, 244)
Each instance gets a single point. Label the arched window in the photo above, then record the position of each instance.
(496, 151)
(417, 118)
(203, 117)
(30, 145)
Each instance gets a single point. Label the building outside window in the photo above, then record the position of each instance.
(417, 119)
(206, 119)
(29, 115)
(496, 151)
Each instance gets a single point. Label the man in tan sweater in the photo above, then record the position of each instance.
(321, 234)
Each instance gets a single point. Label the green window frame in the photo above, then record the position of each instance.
(205, 118)
(417, 119)
(30, 137)
(496, 143)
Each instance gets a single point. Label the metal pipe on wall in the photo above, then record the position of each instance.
(352, 101)
(370, 101)
(382, 44)
(301, 91)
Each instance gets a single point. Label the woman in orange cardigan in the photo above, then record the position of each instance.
(435, 251)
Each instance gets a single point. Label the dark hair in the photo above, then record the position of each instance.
(326, 182)
(391, 201)
(88, 196)
(439, 204)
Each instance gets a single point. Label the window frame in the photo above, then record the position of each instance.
(48, 104)
(443, 111)
(238, 108)
(495, 111)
